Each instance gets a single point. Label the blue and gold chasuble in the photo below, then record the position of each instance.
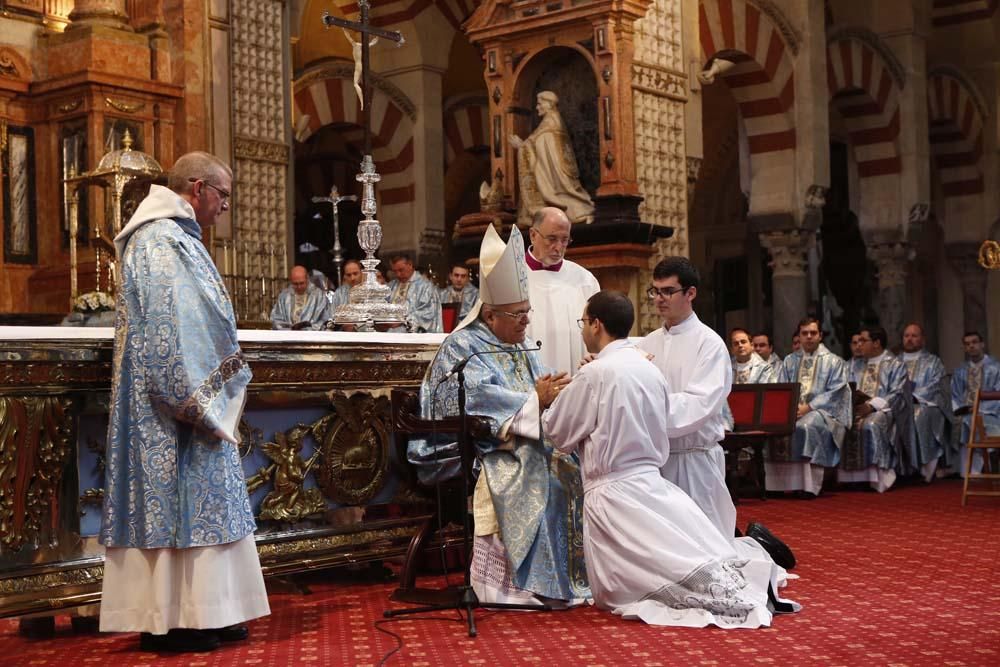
(421, 295)
(819, 433)
(314, 308)
(170, 482)
(965, 382)
(884, 435)
(930, 407)
(537, 492)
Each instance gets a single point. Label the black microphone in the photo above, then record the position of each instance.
(460, 366)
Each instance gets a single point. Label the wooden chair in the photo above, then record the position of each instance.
(979, 439)
(449, 315)
(406, 422)
(760, 412)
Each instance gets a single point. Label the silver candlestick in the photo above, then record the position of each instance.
(369, 307)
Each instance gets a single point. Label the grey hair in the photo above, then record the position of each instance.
(197, 165)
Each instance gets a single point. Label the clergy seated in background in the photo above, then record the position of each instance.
(651, 553)
(528, 500)
(824, 415)
(301, 305)
(460, 290)
(980, 371)
(559, 289)
(764, 348)
(929, 440)
(350, 276)
(420, 294)
(856, 364)
(748, 367)
(883, 417)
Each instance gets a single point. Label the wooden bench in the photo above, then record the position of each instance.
(760, 412)
(979, 439)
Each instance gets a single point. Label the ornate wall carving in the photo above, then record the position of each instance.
(659, 86)
(260, 129)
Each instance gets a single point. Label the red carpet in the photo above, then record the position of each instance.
(909, 578)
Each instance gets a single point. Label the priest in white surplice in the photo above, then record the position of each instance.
(651, 552)
(559, 290)
(181, 564)
(695, 362)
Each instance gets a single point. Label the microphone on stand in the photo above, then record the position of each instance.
(460, 366)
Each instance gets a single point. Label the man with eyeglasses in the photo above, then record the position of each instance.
(181, 565)
(559, 290)
(528, 498)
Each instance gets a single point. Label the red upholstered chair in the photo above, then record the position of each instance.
(760, 412)
(449, 315)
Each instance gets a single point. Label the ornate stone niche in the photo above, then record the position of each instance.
(529, 44)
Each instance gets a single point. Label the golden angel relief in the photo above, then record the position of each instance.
(349, 462)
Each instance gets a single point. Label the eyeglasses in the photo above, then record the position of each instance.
(521, 316)
(665, 292)
(588, 320)
(555, 240)
(223, 195)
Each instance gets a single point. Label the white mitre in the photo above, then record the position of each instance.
(503, 273)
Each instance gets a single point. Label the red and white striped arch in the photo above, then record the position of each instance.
(397, 11)
(763, 80)
(332, 101)
(465, 128)
(867, 96)
(956, 135)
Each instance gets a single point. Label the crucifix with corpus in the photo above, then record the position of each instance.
(369, 307)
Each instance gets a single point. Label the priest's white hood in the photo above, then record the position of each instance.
(160, 203)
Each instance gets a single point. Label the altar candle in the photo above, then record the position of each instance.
(270, 254)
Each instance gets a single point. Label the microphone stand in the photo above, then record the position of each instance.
(464, 596)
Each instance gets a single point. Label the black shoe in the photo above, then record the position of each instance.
(233, 633)
(776, 549)
(43, 627)
(179, 640)
(776, 606)
(85, 625)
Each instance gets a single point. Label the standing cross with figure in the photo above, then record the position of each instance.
(334, 199)
(365, 30)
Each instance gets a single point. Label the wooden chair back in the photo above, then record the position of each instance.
(980, 439)
(449, 315)
(767, 409)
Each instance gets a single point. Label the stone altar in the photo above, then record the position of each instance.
(329, 484)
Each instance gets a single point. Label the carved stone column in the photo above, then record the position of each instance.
(964, 258)
(891, 256)
(98, 12)
(789, 250)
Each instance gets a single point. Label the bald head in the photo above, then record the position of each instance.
(299, 278)
(913, 338)
(550, 235)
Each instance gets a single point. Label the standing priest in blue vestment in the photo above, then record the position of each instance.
(528, 501)
(181, 565)
(930, 403)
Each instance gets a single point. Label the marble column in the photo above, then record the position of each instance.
(98, 12)
(891, 258)
(964, 259)
(789, 284)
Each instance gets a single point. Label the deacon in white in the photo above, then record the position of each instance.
(696, 365)
(651, 552)
(558, 289)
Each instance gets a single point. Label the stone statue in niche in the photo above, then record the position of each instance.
(548, 174)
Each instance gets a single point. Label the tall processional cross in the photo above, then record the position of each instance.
(365, 29)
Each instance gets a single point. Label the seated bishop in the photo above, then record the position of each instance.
(824, 415)
(930, 403)
(420, 295)
(883, 416)
(528, 499)
(980, 371)
(301, 305)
